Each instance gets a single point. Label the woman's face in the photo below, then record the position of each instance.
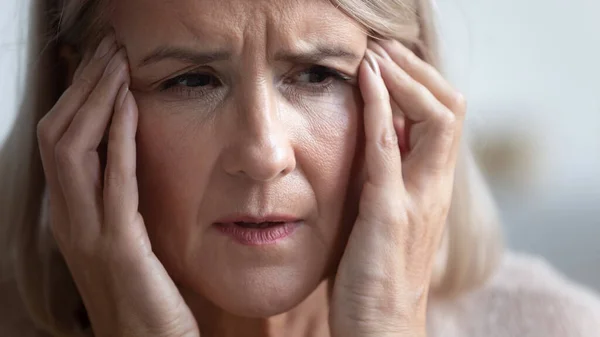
(249, 112)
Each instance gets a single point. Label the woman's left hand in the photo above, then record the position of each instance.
(382, 282)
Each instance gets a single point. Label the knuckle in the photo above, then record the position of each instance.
(446, 120)
(388, 140)
(44, 131)
(422, 90)
(387, 151)
(394, 223)
(114, 178)
(398, 216)
(65, 153)
(400, 77)
(409, 58)
(83, 85)
(119, 168)
(378, 97)
(382, 97)
(459, 104)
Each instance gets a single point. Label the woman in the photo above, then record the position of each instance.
(259, 168)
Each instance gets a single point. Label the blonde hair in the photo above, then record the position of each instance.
(469, 253)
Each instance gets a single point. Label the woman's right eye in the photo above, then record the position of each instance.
(192, 81)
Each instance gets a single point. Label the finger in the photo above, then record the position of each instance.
(428, 76)
(402, 127)
(382, 155)
(85, 79)
(53, 125)
(77, 156)
(120, 182)
(435, 126)
(401, 124)
(422, 72)
(91, 121)
(87, 57)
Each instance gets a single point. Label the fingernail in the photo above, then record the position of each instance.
(116, 61)
(372, 62)
(122, 95)
(105, 46)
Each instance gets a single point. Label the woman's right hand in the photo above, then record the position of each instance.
(94, 213)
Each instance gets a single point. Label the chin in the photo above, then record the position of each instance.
(263, 293)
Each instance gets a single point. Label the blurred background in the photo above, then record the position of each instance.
(530, 70)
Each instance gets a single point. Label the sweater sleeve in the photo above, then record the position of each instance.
(526, 298)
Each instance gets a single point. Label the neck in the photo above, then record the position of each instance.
(309, 318)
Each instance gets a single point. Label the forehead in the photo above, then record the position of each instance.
(233, 22)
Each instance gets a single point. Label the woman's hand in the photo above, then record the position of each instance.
(383, 278)
(94, 213)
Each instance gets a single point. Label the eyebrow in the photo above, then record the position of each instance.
(316, 54)
(183, 54)
(313, 55)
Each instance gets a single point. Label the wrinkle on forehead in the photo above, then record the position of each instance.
(285, 21)
(232, 23)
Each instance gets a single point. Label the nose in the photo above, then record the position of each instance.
(262, 148)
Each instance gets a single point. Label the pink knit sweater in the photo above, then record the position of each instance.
(526, 298)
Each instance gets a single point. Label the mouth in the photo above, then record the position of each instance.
(258, 225)
(256, 231)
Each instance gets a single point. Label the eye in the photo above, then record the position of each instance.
(317, 75)
(192, 80)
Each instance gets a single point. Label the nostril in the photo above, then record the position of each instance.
(263, 156)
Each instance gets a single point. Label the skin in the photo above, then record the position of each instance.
(264, 141)
(138, 234)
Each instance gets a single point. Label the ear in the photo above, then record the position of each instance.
(70, 58)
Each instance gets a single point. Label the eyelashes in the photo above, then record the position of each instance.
(314, 80)
(190, 80)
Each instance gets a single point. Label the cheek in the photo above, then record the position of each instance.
(178, 154)
(174, 158)
(330, 157)
(332, 129)
(335, 127)
(329, 145)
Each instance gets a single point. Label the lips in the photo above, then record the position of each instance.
(248, 221)
(264, 224)
(243, 218)
(252, 230)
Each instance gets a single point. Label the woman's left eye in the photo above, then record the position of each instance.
(317, 75)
